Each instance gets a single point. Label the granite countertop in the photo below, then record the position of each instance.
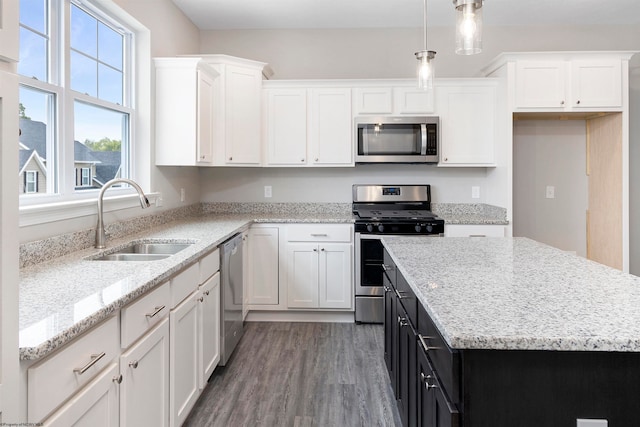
(518, 294)
(61, 298)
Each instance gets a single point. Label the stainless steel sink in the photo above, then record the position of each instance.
(143, 251)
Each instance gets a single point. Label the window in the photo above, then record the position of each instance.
(76, 102)
(31, 181)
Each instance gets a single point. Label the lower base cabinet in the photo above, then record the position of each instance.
(144, 390)
(95, 406)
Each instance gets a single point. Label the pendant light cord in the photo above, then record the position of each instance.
(425, 24)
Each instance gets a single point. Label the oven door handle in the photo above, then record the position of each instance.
(423, 139)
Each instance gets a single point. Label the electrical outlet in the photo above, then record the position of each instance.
(159, 201)
(267, 191)
(550, 192)
(475, 192)
(580, 422)
(182, 195)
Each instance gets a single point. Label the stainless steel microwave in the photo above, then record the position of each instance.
(397, 139)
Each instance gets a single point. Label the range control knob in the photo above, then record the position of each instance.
(429, 228)
(381, 228)
(369, 228)
(418, 227)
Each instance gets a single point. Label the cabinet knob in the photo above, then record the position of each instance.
(201, 299)
(202, 157)
(578, 102)
(322, 249)
(315, 249)
(317, 159)
(206, 293)
(302, 160)
(134, 364)
(118, 379)
(446, 159)
(230, 158)
(561, 102)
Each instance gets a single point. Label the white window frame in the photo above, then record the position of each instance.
(42, 208)
(82, 177)
(33, 181)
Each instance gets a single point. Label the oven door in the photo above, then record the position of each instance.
(368, 260)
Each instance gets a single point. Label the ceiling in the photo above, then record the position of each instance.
(287, 14)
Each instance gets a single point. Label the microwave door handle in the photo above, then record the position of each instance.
(423, 134)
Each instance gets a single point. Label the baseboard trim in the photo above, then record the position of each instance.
(301, 316)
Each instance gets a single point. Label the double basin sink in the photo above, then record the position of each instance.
(143, 251)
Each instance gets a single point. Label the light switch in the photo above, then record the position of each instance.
(550, 192)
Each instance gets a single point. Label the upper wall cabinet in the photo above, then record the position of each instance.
(9, 30)
(184, 112)
(468, 115)
(563, 81)
(237, 114)
(392, 99)
(307, 126)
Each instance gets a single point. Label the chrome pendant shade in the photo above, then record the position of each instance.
(468, 26)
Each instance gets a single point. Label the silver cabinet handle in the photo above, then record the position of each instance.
(319, 234)
(322, 249)
(402, 321)
(425, 379)
(157, 310)
(315, 249)
(423, 342)
(93, 361)
(386, 289)
(386, 267)
(134, 364)
(118, 379)
(400, 294)
(477, 235)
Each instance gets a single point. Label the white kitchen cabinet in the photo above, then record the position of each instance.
(183, 359)
(237, 110)
(373, 100)
(144, 391)
(185, 102)
(474, 230)
(412, 100)
(286, 126)
(568, 85)
(468, 122)
(61, 375)
(394, 98)
(208, 328)
(330, 127)
(319, 266)
(9, 31)
(308, 126)
(96, 405)
(263, 271)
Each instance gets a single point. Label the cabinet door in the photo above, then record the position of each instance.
(433, 408)
(596, 84)
(375, 100)
(411, 100)
(302, 275)
(96, 405)
(540, 85)
(242, 116)
(9, 30)
(335, 271)
(286, 126)
(183, 360)
(263, 266)
(390, 313)
(204, 118)
(406, 373)
(209, 329)
(330, 127)
(467, 125)
(144, 391)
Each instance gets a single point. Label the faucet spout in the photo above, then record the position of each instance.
(144, 203)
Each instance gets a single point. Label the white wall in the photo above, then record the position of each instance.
(389, 53)
(334, 184)
(550, 153)
(634, 167)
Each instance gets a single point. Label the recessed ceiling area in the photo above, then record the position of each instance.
(289, 14)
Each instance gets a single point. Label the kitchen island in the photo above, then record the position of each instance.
(517, 332)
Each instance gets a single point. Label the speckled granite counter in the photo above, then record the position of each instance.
(515, 293)
(65, 296)
(470, 213)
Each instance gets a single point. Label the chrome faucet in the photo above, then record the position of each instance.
(144, 203)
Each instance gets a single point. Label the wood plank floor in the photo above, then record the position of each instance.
(301, 374)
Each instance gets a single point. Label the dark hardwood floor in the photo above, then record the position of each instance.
(301, 374)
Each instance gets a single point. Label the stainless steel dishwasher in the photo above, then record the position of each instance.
(231, 296)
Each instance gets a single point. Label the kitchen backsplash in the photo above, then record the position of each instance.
(281, 208)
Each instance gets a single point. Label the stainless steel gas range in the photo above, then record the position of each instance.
(381, 210)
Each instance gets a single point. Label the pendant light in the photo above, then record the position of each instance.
(425, 60)
(468, 26)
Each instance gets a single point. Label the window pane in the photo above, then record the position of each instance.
(33, 14)
(110, 84)
(101, 143)
(84, 32)
(37, 145)
(84, 74)
(33, 55)
(110, 46)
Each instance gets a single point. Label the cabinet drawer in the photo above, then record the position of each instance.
(389, 267)
(184, 283)
(407, 298)
(445, 361)
(138, 317)
(52, 380)
(319, 233)
(209, 264)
